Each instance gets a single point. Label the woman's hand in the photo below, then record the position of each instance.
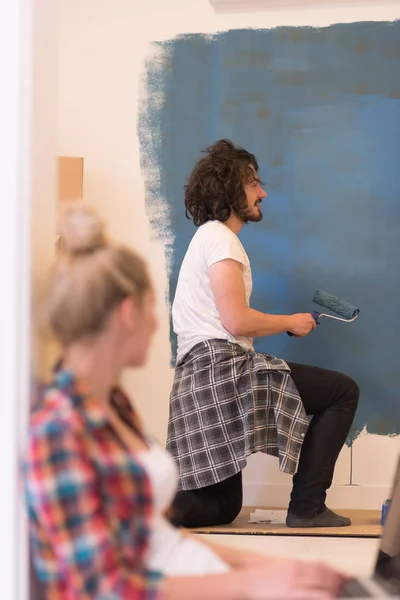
(264, 577)
(286, 578)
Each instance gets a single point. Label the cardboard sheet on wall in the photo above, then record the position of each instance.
(70, 178)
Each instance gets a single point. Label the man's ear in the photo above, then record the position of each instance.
(129, 313)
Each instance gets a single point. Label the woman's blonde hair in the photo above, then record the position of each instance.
(91, 276)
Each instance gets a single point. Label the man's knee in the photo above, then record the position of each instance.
(232, 510)
(351, 392)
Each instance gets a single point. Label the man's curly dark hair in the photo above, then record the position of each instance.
(215, 188)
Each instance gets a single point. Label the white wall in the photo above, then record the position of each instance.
(103, 47)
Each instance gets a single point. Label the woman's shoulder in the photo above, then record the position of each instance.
(53, 412)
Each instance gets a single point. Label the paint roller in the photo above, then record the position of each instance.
(343, 310)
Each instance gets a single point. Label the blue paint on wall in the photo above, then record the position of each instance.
(320, 108)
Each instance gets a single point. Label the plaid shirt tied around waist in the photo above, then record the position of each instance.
(226, 404)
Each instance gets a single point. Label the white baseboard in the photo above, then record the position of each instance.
(367, 497)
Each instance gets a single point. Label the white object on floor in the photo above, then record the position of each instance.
(274, 517)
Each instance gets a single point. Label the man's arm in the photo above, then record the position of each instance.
(227, 285)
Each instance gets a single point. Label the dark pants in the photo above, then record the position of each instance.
(332, 399)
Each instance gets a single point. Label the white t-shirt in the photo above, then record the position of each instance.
(194, 312)
(169, 551)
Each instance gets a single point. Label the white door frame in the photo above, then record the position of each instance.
(28, 112)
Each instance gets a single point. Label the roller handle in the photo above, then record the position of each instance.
(315, 315)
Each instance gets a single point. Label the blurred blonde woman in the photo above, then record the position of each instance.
(97, 486)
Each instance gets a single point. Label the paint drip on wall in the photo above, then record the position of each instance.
(320, 109)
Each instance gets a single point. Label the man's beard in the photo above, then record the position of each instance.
(250, 216)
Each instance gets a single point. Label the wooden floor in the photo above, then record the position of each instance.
(365, 523)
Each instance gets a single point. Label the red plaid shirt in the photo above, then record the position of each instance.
(89, 500)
